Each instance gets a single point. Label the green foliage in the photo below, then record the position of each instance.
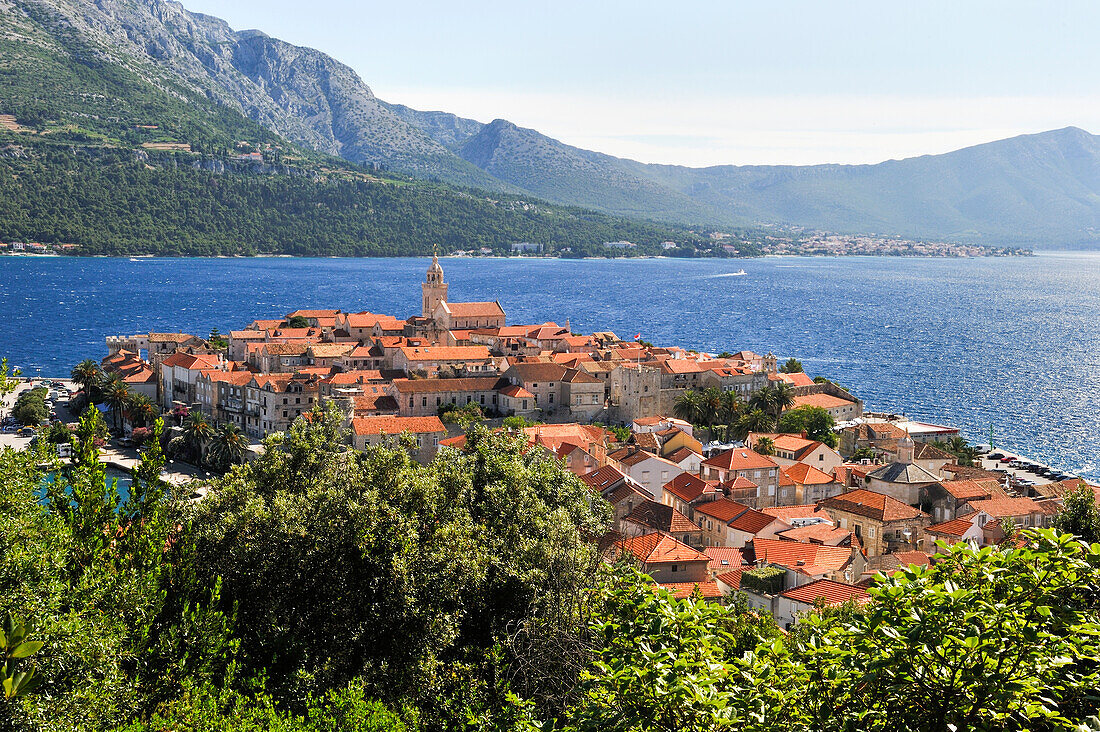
(667, 664)
(763, 580)
(987, 639)
(30, 407)
(791, 366)
(58, 434)
(816, 422)
(298, 321)
(9, 381)
(764, 446)
(517, 423)
(17, 674)
(863, 453)
(464, 416)
(59, 194)
(964, 454)
(1080, 514)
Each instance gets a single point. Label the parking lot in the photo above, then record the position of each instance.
(1021, 470)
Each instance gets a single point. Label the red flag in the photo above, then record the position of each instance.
(637, 336)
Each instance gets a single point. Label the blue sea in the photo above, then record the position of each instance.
(1009, 343)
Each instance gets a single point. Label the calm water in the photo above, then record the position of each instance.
(1009, 342)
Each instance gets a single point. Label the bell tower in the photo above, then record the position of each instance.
(434, 288)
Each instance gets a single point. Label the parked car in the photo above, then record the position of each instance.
(26, 431)
(995, 455)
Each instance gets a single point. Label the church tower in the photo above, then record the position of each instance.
(434, 288)
(906, 449)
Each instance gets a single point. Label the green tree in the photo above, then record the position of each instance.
(116, 395)
(816, 422)
(689, 406)
(88, 376)
(773, 399)
(1080, 515)
(142, 412)
(17, 675)
(791, 366)
(996, 638)
(197, 434)
(752, 420)
(298, 321)
(764, 446)
(228, 446)
(9, 382)
(29, 409)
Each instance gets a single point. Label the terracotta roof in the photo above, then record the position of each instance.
(681, 455)
(474, 309)
(575, 376)
(516, 392)
(825, 401)
(535, 372)
(246, 335)
(191, 360)
(680, 590)
(740, 458)
(688, 487)
(601, 478)
(723, 558)
(955, 527)
(285, 349)
(330, 350)
(445, 353)
(832, 593)
(374, 403)
(313, 314)
(1004, 507)
(661, 517)
(658, 548)
(817, 534)
(387, 425)
(732, 578)
(722, 509)
(369, 320)
(809, 559)
(919, 559)
(928, 451)
(807, 474)
(806, 510)
(965, 490)
(797, 379)
(752, 521)
(874, 505)
(169, 337)
(440, 386)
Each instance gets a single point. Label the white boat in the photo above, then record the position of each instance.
(738, 273)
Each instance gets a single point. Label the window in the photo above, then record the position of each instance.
(297, 400)
(844, 523)
(870, 532)
(424, 401)
(645, 476)
(664, 475)
(551, 397)
(438, 401)
(675, 568)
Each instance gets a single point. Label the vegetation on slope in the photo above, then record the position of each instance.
(319, 588)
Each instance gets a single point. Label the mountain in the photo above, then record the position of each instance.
(94, 62)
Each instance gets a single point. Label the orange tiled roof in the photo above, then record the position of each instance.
(723, 557)
(439, 386)
(661, 517)
(740, 458)
(807, 474)
(1004, 507)
(387, 425)
(680, 590)
(809, 559)
(752, 521)
(807, 510)
(872, 505)
(825, 401)
(688, 487)
(955, 527)
(722, 509)
(475, 309)
(445, 353)
(833, 593)
(655, 548)
(965, 490)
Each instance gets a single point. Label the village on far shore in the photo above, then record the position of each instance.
(801, 502)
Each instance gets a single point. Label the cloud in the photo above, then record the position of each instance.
(709, 130)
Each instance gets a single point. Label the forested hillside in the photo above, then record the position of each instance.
(117, 201)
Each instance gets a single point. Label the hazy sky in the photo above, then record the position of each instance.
(727, 81)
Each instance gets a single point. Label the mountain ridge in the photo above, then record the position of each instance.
(1030, 189)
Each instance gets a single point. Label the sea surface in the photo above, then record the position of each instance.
(1012, 344)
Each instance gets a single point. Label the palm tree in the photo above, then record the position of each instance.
(689, 406)
(117, 396)
(773, 400)
(711, 407)
(730, 409)
(752, 420)
(228, 446)
(197, 432)
(141, 410)
(764, 446)
(89, 376)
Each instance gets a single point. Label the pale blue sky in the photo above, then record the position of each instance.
(703, 83)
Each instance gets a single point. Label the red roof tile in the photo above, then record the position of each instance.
(832, 593)
(872, 505)
(659, 548)
(387, 425)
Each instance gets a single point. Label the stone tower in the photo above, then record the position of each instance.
(434, 288)
(906, 449)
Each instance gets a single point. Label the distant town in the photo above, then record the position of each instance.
(728, 473)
